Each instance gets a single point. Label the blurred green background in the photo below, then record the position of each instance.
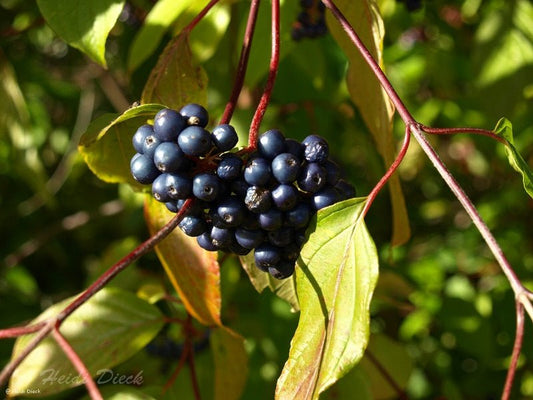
(441, 298)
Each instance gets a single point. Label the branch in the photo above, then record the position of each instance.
(141, 250)
(243, 63)
(77, 362)
(516, 351)
(200, 16)
(454, 131)
(265, 98)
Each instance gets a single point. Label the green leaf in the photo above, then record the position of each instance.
(284, 289)
(368, 95)
(83, 24)
(193, 271)
(336, 275)
(353, 385)
(231, 363)
(176, 80)
(156, 23)
(504, 128)
(109, 328)
(106, 146)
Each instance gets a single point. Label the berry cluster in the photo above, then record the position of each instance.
(263, 203)
(311, 22)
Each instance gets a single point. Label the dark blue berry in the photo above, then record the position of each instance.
(221, 237)
(271, 143)
(168, 157)
(295, 147)
(282, 270)
(236, 248)
(230, 167)
(172, 206)
(239, 187)
(150, 144)
(267, 255)
(160, 189)
(271, 220)
(224, 137)
(232, 211)
(249, 239)
(192, 225)
(195, 114)
(299, 216)
(326, 197)
(257, 171)
(206, 186)
(316, 149)
(140, 136)
(285, 197)
(205, 242)
(332, 172)
(281, 237)
(195, 141)
(258, 199)
(291, 252)
(346, 189)
(285, 167)
(179, 186)
(250, 222)
(168, 124)
(312, 177)
(143, 169)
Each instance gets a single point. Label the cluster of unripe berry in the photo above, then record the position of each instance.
(262, 201)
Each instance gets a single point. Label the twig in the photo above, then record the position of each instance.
(200, 16)
(269, 86)
(77, 362)
(454, 131)
(118, 267)
(20, 330)
(243, 63)
(516, 351)
(388, 377)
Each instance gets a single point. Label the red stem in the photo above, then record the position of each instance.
(388, 377)
(75, 359)
(516, 351)
(176, 372)
(142, 249)
(194, 378)
(20, 330)
(265, 98)
(199, 17)
(453, 131)
(243, 63)
(394, 166)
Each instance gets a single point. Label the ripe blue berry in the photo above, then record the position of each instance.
(295, 147)
(285, 197)
(195, 114)
(316, 149)
(205, 242)
(257, 171)
(150, 144)
(326, 197)
(282, 270)
(232, 211)
(346, 189)
(249, 239)
(271, 220)
(140, 136)
(258, 199)
(160, 189)
(143, 169)
(267, 255)
(312, 178)
(236, 248)
(299, 216)
(195, 141)
(271, 143)
(332, 172)
(230, 167)
(281, 237)
(285, 167)
(206, 186)
(168, 157)
(291, 252)
(224, 137)
(192, 225)
(221, 237)
(239, 187)
(167, 187)
(168, 124)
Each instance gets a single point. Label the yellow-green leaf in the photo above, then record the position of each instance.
(366, 92)
(176, 80)
(83, 24)
(335, 278)
(106, 146)
(231, 363)
(109, 328)
(193, 271)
